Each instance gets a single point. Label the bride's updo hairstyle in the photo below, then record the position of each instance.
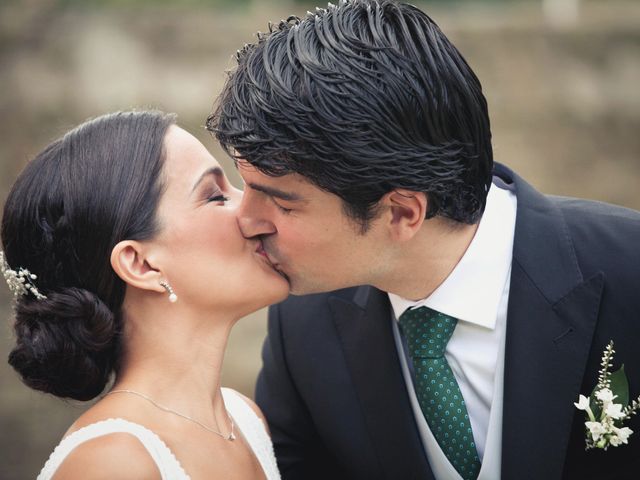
(94, 187)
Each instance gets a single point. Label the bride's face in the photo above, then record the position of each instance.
(200, 248)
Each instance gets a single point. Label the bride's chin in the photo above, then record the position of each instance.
(278, 289)
(262, 301)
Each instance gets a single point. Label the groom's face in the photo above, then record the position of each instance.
(306, 233)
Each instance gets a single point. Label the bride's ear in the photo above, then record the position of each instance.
(129, 261)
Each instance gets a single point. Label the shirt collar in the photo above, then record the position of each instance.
(473, 290)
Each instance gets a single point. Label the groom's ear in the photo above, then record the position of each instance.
(129, 261)
(406, 212)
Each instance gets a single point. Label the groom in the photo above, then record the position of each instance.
(464, 312)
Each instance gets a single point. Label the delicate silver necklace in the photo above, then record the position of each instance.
(229, 437)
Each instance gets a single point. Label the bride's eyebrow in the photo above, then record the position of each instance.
(215, 171)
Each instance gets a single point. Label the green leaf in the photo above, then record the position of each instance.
(620, 386)
(594, 404)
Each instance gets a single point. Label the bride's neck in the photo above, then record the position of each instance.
(175, 357)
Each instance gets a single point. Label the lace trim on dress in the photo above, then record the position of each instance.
(248, 423)
(168, 465)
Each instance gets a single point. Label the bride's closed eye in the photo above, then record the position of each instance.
(213, 193)
(218, 197)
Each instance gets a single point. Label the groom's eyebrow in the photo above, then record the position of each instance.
(274, 192)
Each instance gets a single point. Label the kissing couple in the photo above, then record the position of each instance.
(445, 317)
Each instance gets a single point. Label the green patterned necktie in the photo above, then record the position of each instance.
(427, 333)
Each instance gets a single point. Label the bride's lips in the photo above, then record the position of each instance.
(260, 251)
(263, 253)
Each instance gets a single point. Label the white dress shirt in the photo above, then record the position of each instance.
(476, 292)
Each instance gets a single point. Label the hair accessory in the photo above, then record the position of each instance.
(20, 282)
(173, 298)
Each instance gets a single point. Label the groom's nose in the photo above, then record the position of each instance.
(254, 217)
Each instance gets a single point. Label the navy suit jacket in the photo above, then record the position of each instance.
(332, 387)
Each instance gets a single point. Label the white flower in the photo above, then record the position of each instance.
(614, 410)
(606, 430)
(597, 429)
(583, 403)
(605, 395)
(622, 434)
(614, 440)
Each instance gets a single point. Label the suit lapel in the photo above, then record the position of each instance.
(551, 318)
(365, 330)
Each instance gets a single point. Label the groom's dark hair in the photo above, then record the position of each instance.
(362, 98)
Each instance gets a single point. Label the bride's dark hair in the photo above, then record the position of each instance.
(97, 185)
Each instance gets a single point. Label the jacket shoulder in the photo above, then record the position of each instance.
(592, 210)
(605, 238)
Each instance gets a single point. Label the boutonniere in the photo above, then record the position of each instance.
(608, 406)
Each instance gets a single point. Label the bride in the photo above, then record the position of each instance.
(122, 249)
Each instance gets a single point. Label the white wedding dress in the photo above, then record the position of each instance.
(244, 417)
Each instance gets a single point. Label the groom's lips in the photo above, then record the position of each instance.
(261, 251)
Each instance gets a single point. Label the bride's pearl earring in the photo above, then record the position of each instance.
(173, 298)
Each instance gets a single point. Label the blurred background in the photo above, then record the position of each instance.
(562, 78)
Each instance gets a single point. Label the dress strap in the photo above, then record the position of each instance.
(168, 465)
(254, 431)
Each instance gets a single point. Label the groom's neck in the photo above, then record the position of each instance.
(421, 265)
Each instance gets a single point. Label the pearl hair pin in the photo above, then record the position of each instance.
(20, 281)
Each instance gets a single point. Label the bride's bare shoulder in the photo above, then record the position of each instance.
(112, 456)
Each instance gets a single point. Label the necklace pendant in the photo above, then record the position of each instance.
(231, 437)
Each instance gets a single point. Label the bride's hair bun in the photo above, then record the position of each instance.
(65, 344)
(98, 185)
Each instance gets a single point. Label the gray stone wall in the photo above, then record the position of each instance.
(563, 96)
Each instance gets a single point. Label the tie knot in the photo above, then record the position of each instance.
(427, 331)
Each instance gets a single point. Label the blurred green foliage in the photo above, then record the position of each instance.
(146, 3)
(229, 3)
(88, 4)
